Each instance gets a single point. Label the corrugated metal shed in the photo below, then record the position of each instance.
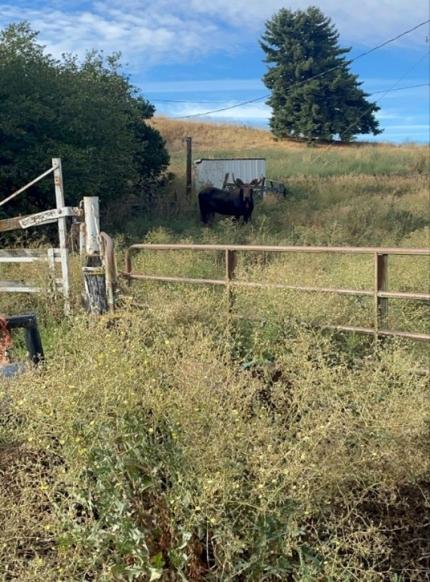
(212, 171)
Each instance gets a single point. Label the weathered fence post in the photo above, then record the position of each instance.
(381, 284)
(188, 188)
(93, 270)
(62, 232)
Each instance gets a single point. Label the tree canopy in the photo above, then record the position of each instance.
(86, 112)
(314, 94)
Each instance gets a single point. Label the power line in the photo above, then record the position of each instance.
(318, 75)
(223, 108)
(390, 40)
(192, 102)
(385, 92)
(189, 100)
(402, 88)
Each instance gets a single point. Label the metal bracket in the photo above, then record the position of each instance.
(93, 270)
(49, 216)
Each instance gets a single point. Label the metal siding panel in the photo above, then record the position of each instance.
(213, 171)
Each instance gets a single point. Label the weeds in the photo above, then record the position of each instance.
(182, 458)
(161, 443)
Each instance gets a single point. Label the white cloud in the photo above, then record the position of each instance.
(154, 32)
(383, 116)
(417, 94)
(150, 32)
(408, 128)
(145, 37)
(227, 85)
(365, 21)
(209, 85)
(250, 112)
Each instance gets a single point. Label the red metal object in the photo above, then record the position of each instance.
(5, 341)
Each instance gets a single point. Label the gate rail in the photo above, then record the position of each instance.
(380, 293)
(52, 255)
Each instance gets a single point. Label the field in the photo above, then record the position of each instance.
(173, 441)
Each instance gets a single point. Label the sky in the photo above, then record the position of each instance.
(193, 56)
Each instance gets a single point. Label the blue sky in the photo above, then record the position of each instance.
(207, 50)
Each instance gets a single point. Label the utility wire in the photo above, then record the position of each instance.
(390, 40)
(188, 100)
(318, 75)
(191, 102)
(385, 93)
(224, 108)
(402, 88)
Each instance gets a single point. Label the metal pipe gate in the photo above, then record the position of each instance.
(380, 293)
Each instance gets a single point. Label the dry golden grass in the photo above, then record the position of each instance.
(216, 135)
(227, 136)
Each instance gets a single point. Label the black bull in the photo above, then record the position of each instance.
(236, 203)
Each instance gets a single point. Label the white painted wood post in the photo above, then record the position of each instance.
(94, 272)
(92, 225)
(62, 232)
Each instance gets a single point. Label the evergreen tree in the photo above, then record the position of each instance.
(299, 46)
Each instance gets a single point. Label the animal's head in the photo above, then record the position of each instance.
(246, 191)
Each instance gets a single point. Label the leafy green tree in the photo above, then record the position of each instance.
(314, 94)
(86, 112)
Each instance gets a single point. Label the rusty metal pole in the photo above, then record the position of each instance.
(188, 176)
(379, 293)
(381, 284)
(128, 267)
(230, 266)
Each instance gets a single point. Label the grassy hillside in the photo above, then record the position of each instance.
(172, 441)
(356, 195)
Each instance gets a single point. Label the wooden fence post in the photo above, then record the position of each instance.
(93, 270)
(381, 284)
(62, 232)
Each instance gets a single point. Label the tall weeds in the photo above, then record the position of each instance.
(170, 442)
(156, 445)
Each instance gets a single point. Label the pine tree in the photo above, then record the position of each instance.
(299, 46)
